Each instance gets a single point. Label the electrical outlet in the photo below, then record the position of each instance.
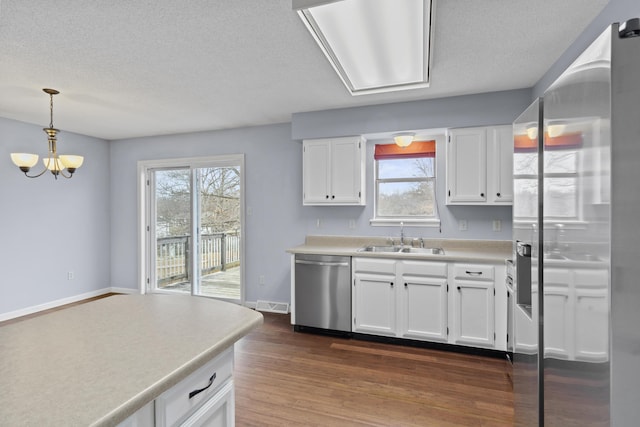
(462, 225)
(70, 275)
(497, 225)
(261, 280)
(352, 224)
(318, 223)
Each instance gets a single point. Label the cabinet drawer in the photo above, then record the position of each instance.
(174, 405)
(424, 268)
(374, 265)
(473, 271)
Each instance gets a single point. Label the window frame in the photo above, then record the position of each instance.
(424, 221)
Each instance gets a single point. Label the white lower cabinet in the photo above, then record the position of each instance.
(576, 314)
(473, 305)
(398, 298)
(558, 339)
(422, 301)
(204, 398)
(428, 301)
(374, 296)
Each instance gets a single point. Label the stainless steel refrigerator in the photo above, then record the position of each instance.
(576, 231)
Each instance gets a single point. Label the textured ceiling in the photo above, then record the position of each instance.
(150, 67)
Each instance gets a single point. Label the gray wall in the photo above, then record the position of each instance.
(51, 227)
(493, 108)
(273, 188)
(274, 185)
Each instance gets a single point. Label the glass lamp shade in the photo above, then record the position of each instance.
(24, 160)
(404, 139)
(71, 162)
(53, 164)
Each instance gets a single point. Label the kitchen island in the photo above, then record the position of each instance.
(99, 363)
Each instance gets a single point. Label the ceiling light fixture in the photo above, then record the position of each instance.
(403, 139)
(374, 45)
(55, 163)
(532, 131)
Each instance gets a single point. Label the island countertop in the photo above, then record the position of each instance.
(98, 363)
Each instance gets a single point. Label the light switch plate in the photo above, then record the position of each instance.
(497, 225)
(462, 225)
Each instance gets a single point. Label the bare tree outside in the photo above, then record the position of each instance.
(216, 193)
(406, 187)
(219, 201)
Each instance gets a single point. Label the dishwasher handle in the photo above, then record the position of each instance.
(322, 263)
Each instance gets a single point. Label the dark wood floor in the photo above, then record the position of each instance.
(286, 378)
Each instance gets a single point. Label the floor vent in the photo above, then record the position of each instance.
(272, 307)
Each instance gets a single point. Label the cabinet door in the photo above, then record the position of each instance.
(316, 159)
(374, 304)
(500, 165)
(346, 181)
(473, 313)
(218, 411)
(466, 166)
(591, 325)
(423, 308)
(591, 315)
(557, 322)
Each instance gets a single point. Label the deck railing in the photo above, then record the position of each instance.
(217, 252)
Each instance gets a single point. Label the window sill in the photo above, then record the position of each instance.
(387, 222)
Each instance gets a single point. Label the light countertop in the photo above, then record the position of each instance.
(485, 251)
(99, 362)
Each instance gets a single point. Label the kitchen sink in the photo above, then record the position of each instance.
(426, 251)
(374, 248)
(402, 249)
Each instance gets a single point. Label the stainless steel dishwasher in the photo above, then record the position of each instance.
(323, 292)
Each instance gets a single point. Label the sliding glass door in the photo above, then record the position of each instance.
(195, 228)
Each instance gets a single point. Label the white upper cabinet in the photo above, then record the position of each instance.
(467, 166)
(333, 171)
(480, 166)
(500, 165)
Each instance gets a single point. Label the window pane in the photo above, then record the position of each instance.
(560, 161)
(525, 163)
(173, 229)
(560, 198)
(405, 199)
(406, 168)
(525, 198)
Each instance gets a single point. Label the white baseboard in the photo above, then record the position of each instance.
(63, 301)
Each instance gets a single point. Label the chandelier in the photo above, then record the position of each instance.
(64, 165)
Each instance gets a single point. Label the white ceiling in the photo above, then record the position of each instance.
(149, 67)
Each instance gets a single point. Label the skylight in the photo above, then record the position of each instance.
(374, 45)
